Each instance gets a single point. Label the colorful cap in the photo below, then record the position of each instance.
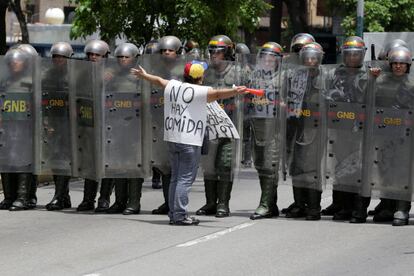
(195, 69)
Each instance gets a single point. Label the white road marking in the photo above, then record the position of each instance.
(216, 235)
(93, 274)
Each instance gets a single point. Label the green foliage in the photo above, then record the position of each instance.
(141, 20)
(379, 15)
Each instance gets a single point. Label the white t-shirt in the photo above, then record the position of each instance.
(185, 112)
(219, 124)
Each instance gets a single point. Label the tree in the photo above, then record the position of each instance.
(16, 7)
(298, 10)
(379, 15)
(276, 14)
(3, 9)
(142, 20)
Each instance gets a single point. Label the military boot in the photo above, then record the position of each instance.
(345, 213)
(267, 206)
(402, 215)
(335, 206)
(210, 208)
(9, 191)
(359, 213)
(89, 194)
(156, 179)
(24, 182)
(61, 199)
(104, 200)
(32, 198)
(287, 209)
(313, 210)
(223, 194)
(163, 209)
(121, 196)
(298, 210)
(134, 196)
(387, 212)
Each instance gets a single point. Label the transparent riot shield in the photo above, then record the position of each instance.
(17, 91)
(305, 137)
(224, 124)
(53, 137)
(345, 92)
(85, 92)
(263, 113)
(124, 154)
(154, 126)
(390, 168)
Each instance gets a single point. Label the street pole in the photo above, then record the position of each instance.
(360, 18)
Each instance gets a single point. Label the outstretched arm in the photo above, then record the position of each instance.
(156, 80)
(217, 94)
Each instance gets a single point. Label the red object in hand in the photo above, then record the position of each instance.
(256, 92)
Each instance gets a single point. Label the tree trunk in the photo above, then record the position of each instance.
(3, 10)
(297, 10)
(15, 4)
(276, 20)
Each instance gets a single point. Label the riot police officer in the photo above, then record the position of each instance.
(387, 206)
(127, 190)
(262, 115)
(55, 80)
(96, 51)
(19, 188)
(170, 47)
(347, 86)
(218, 164)
(400, 59)
(392, 179)
(305, 166)
(152, 47)
(296, 44)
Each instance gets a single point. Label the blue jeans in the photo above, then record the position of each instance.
(184, 160)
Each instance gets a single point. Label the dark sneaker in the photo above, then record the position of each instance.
(187, 221)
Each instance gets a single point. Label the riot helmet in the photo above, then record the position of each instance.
(190, 45)
(28, 49)
(311, 54)
(16, 59)
(383, 55)
(400, 55)
(271, 48)
(353, 52)
(96, 48)
(126, 50)
(169, 43)
(269, 55)
(63, 49)
(242, 48)
(299, 40)
(221, 44)
(126, 54)
(152, 47)
(192, 49)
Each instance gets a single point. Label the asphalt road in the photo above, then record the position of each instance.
(39, 242)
